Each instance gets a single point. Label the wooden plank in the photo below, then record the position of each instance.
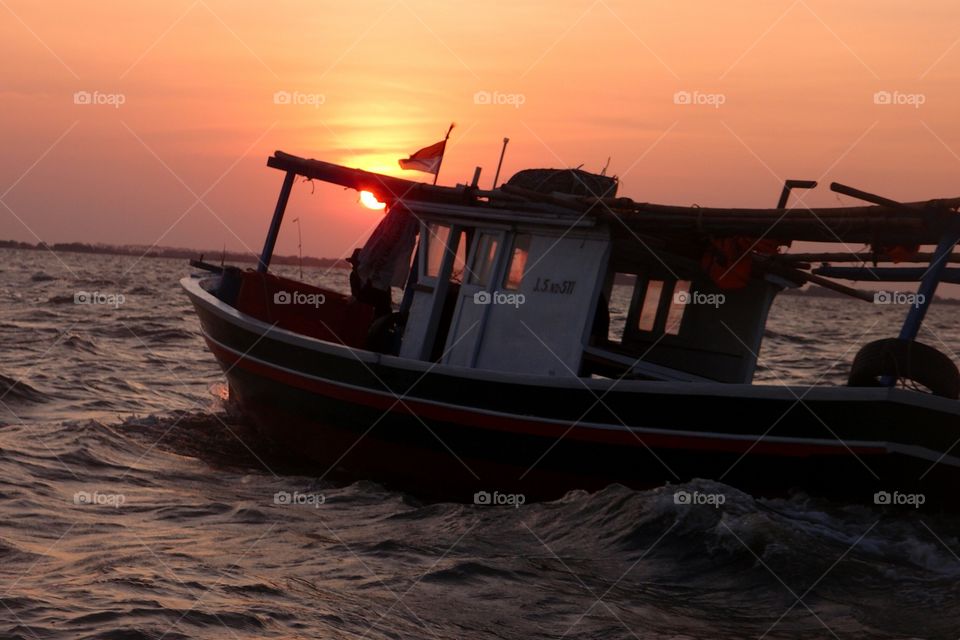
(384, 187)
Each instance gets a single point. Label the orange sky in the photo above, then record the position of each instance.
(181, 161)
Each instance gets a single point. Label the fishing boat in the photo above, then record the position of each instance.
(498, 374)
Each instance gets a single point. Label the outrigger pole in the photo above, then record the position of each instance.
(930, 277)
(861, 257)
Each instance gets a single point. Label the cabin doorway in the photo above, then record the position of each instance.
(483, 273)
(441, 266)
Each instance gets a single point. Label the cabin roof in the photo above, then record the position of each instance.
(890, 223)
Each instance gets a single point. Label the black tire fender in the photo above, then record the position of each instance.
(905, 360)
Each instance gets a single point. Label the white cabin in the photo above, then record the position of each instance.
(529, 293)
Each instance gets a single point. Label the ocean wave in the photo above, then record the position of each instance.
(792, 534)
(14, 390)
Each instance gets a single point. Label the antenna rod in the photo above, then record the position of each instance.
(500, 164)
(299, 246)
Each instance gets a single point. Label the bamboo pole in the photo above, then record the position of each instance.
(802, 276)
(791, 258)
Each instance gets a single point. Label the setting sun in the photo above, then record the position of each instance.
(370, 201)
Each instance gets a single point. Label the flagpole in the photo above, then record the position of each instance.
(445, 138)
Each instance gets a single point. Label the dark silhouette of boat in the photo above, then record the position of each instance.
(498, 370)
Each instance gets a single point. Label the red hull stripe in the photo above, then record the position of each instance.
(388, 402)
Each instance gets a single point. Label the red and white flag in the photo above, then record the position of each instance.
(427, 159)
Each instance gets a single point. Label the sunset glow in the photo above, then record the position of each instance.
(159, 133)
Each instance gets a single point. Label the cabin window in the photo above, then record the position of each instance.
(678, 303)
(459, 259)
(621, 296)
(437, 237)
(651, 303)
(484, 259)
(518, 262)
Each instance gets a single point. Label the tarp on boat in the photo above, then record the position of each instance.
(571, 181)
(384, 260)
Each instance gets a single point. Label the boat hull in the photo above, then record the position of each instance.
(448, 433)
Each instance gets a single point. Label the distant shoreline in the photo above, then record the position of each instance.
(173, 253)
